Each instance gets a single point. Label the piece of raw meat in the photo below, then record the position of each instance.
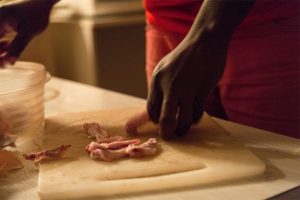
(95, 131)
(148, 148)
(111, 145)
(133, 150)
(110, 139)
(108, 155)
(48, 154)
(110, 148)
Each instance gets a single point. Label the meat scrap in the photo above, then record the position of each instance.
(111, 145)
(110, 148)
(148, 148)
(50, 154)
(108, 155)
(95, 131)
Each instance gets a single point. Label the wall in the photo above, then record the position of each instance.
(104, 51)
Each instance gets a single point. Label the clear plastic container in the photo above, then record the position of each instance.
(22, 97)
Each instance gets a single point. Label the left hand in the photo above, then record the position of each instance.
(19, 23)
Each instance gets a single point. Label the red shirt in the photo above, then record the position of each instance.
(260, 84)
(178, 15)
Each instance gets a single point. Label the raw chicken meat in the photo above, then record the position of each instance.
(108, 155)
(95, 131)
(48, 154)
(111, 145)
(110, 148)
(146, 149)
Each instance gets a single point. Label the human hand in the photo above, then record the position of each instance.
(182, 81)
(19, 23)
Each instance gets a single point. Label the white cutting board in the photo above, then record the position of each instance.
(206, 155)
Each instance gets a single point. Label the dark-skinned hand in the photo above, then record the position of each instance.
(20, 22)
(181, 83)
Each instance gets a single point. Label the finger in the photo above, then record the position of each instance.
(136, 121)
(154, 102)
(18, 45)
(185, 118)
(198, 109)
(168, 117)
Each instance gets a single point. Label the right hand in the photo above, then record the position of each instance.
(19, 23)
(182, 81)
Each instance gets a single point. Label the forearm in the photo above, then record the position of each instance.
(211, 33)
(185, 77)
(219, 18)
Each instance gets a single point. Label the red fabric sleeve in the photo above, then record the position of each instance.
(178, 15)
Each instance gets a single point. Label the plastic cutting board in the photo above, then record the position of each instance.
(207, 154)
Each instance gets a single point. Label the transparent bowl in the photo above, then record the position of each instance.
(22, 97)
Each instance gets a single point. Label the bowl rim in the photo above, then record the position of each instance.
(38, 76)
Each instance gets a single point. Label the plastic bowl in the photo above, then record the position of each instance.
(22, 97)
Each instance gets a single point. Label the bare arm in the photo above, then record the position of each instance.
(184, 78)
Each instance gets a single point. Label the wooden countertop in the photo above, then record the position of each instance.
(281, 153)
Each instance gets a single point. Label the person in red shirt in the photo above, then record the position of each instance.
(237, 59)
